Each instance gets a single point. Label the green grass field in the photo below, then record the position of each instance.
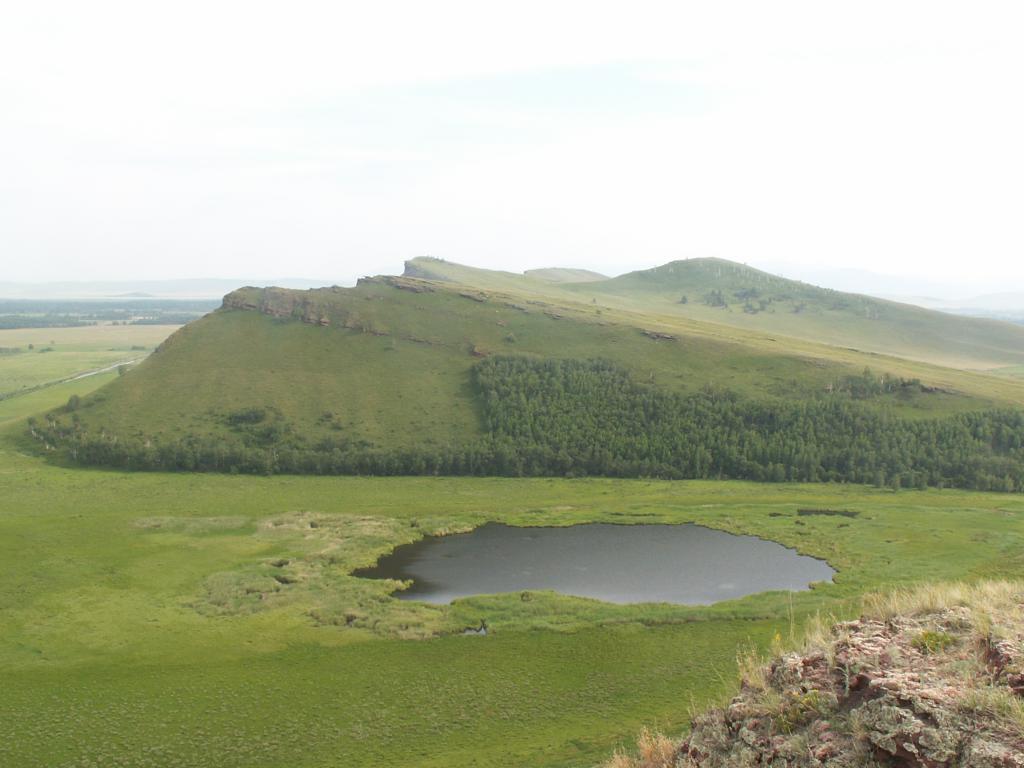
(134, 633)
(14, 409)
(60, 353)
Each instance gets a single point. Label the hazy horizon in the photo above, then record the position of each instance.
(913, 289)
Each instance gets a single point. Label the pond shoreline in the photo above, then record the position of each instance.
(673, 563)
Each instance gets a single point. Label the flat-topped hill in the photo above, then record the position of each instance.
(322, 379)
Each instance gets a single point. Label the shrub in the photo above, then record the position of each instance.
(931, 641)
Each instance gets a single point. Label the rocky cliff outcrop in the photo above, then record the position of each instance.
(308, 306)
(318, 306)
(421, 268)
(931, 680)
(333, 307)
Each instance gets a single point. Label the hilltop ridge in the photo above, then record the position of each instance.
(565, 275)
(735, 295)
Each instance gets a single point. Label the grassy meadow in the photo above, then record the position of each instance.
(143, 623)
(61, 353)
(42, 399)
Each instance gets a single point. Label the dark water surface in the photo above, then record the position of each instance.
(687, 564)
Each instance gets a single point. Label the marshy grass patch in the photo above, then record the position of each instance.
(557, 680)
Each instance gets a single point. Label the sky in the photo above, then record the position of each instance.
(144, 140)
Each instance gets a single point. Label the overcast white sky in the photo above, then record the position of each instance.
(329, 140)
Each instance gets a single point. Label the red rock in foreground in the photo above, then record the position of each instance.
(932, 679)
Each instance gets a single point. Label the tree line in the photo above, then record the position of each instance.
(590, 417)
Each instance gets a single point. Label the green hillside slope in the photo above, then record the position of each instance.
(563, 275)
(347, 379)
(724, 292)
(391, 366)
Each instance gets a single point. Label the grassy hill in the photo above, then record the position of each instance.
(733, 294)
(737, 296)
(389, 360)
(736, 302)
(391, 364)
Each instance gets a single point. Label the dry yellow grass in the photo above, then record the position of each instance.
(993, 615)
(654, 750)
(999, 598)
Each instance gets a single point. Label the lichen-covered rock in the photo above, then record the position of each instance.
(937, 685)
(982, 753)
(895, 727)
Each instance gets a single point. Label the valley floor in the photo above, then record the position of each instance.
(143, 624)
(40, 357)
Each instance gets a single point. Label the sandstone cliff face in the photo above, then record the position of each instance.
(936, 685)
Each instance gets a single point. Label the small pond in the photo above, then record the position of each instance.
(686, 564)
